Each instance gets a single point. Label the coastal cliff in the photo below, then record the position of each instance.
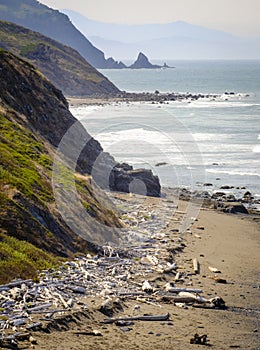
(62, 65)
(34, 119)
(54, 24)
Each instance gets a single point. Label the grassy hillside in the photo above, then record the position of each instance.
(33, 234)
(62, 65)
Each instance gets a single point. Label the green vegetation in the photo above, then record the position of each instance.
(29, 48)
(22, 259)
(22, 158)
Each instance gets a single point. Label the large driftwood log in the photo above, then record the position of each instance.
(17, 283)
(139, 318)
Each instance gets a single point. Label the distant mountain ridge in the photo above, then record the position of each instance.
(38, 17)
(176, 40)
(61, 64)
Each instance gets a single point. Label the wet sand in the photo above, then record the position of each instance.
(225, 241)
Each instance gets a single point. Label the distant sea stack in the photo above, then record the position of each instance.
(142, 62)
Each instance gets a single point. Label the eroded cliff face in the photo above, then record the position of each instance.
(34, 116)
(36, 128)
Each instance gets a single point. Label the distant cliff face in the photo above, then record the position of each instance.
(62, 65)
(38, 17)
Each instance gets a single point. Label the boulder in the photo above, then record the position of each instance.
(139, 181)
(235, 208)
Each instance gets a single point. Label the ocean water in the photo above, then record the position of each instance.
(213, 141)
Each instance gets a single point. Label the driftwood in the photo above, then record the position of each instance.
(178, 290)
(214, 269)
(139, 318)
(34, 326)
(196, 266)
(15, 284)
(177, 299)
(146, 287)
(39, 308)
(130, 294)
(218, 279)
(184, 297)
(95, 333)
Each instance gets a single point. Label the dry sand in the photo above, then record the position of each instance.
(227, 242)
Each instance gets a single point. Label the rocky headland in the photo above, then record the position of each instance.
(62, 65)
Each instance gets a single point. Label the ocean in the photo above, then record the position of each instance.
(187, 143)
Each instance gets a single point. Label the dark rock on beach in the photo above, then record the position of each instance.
(140, 181)
(235, 208)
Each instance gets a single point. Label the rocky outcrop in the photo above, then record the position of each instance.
(112, 64)
(62, 65)
(143, 62)
(54, 24)
(141, 181)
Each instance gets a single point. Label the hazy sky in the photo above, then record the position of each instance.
(240, 17)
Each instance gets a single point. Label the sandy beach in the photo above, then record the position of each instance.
(229, 243)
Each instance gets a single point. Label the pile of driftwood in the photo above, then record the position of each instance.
(126, 273)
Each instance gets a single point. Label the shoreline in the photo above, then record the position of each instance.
(227, 242)
(224, 195)
(152, 97)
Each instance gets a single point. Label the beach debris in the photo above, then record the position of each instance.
(151, 318)
(218, 302)
(199, 339)
(94, 332)
(214, 269)
(146, 287)
(196, 266)
(32, 340)
(218, 279)
(170, 267)
(143, 271)
(34, 326)
(169, 287)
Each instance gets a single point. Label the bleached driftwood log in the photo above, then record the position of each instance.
(139, 318)
(196, 266)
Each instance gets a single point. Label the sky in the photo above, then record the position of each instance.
(239, 17)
